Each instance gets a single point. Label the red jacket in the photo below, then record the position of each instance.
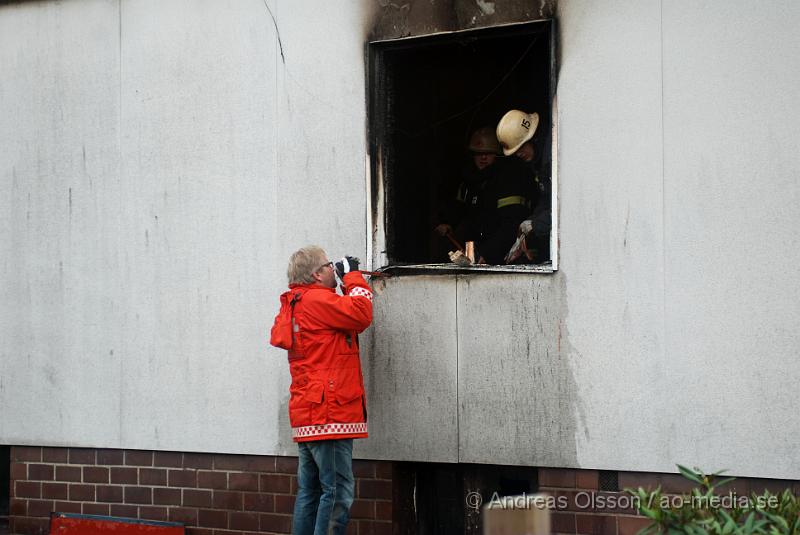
(327, 398)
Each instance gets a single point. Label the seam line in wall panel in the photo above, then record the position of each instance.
(663, 202)
(119, 179)
(458, 387)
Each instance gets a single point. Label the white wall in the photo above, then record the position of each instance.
(159, 161)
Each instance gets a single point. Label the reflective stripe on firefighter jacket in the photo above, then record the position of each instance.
(327, 398)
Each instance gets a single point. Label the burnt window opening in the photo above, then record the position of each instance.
(427, 95)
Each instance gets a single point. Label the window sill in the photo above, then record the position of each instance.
(449, 268)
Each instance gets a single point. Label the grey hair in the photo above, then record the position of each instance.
(304, 263)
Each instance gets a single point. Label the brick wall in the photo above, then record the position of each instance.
(592, 510)
(212, 494)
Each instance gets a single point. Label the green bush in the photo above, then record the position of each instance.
(704, 511)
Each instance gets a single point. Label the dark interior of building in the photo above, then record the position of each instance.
(426, 97)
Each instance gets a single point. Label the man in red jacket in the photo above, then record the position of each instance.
(327, 404)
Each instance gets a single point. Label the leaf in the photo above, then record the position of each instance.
(690, 475)
(748, 524)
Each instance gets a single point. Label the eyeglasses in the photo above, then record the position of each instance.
(326, 264)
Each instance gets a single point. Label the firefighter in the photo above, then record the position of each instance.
(516, 132)
(465, 207)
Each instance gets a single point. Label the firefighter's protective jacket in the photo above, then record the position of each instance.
(327, 398)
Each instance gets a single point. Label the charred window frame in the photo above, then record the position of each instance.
(425, 95)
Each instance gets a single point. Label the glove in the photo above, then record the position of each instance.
(525, 227)
(346, 265)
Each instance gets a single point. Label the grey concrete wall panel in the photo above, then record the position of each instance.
(731, 162)
(197, 177)
(320, 189)
(60, 304)
(516, 391)
(410, 371)
(611, 230)
(152, 208)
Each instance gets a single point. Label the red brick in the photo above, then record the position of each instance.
(596, 524)
(275, 483)
(562, 522)
(244, 463)
(153, 513)
(364, 469)
(68, 507)
(125, 511)
(183, 514)
(96, 509)
(369, 527)
(359, 509)
(110, 457)
(81, 456)
(26, 454)
(54, 491)
(81, 493)
(198, 460)
(574, 500)
(68, 473)
(182, 478)
(228, 500)
(138, 495)
(384, 469)
(152, 476)
(557, 477)
(243, 481)
(197, 498)
(95, 474)
(676, 484)
(737, 486)
(108, 493)
(259, 502)
(293, 485)
(275, 523)
(212, 480)
(631, 525)
(138, 458)
(200, 531)
(168, 459)
(284, 503)
(244, 521)
(383, 510)
(587, 479)
(40, 472)
(27, 489)
(18, 507)
(30, 526)
(55, 455)
(167, 496)
(209, 518)
(286, 465)
(19, 471)
(375, 488)
(352, 528)
(40, 507)
(124, 476)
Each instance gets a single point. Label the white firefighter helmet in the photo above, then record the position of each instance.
(515, 128)
(483, 141)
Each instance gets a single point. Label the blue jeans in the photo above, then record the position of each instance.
(325, 487)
